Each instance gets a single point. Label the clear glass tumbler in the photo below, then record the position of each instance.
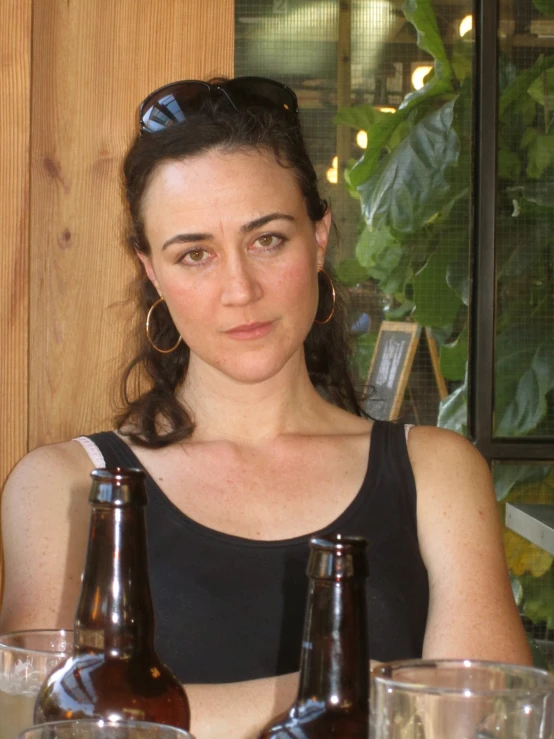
(26, 658)
(90, 728)
(461, 699)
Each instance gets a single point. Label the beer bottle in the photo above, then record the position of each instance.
(114, 671)
(333, 695)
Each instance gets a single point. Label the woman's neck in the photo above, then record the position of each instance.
(250, 413)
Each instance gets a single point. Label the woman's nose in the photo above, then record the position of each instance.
(240, 284)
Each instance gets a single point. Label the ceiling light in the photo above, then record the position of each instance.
(466, 25)
(361, 139)
(419, 74)
(332, 173)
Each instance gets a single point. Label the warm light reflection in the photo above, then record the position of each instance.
(419, 74)
(361, 139)
(332, 175)
(385, 109)
(466, 25)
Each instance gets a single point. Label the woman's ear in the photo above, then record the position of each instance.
(322, 230)
(149, 269)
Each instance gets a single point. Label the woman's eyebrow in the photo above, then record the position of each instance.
(250, 226)
(186, 239)
(257, 222)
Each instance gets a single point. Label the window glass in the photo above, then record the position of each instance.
(389, 126)
(524, 392)
(524, 346)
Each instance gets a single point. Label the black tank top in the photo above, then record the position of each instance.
(230, 609)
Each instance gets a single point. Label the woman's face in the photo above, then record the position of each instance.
(235, 256)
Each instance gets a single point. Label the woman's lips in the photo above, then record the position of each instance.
(250, 330)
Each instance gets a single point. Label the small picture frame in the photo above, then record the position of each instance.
(390, 368)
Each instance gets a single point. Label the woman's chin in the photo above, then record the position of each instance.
(258, 369)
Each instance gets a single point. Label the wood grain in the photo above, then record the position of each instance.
(93, 62)
(15, 80)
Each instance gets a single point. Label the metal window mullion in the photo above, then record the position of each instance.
(483, 290)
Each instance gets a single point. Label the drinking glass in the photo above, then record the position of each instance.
(461, 699)
(26, 659)
(91, 728)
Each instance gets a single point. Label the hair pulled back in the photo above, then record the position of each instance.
(153, 416)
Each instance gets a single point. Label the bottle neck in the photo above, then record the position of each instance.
(115, 613)
(334, 663)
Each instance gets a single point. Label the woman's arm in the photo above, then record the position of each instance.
(472, 613)
(239, 710)
(45, 516)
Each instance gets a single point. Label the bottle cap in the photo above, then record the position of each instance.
(118, 486)
(335, 557)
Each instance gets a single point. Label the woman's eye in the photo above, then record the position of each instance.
(194, 256)
(268, 241)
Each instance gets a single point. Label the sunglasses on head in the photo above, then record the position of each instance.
(170, 104)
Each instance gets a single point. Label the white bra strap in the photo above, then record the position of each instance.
(407, 428)
(96, 456)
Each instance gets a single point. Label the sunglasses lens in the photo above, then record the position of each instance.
(170, 104)
(245, 91)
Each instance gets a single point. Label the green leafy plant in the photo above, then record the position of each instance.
(413, 184)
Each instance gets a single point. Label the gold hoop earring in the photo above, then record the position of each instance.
(162, 351)
(334, 295)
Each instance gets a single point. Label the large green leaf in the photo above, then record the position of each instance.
(350, 272)
(542, 89)
(410, 187)
(538, 597)
(509, 165)
(462, 59)
(516, 92)
(365, 346)
(359, 117)
(383, 130)
(544, 6)
(457, 276)
(540, 156)
(378, 248)
(377, 138)
(453, 411)
(524, 376)
(453, 357)
(507, 476)
(514, 126)
(434, 88)
(436, 303)
(385, 259)
(421, 15)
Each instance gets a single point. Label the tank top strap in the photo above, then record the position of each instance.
(393, 468)
(115, 451)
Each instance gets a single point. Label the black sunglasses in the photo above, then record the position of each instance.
(170, 104)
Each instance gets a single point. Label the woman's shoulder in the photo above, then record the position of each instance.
(453, 480)
(54, 468)
(431, 447)
(66, 455)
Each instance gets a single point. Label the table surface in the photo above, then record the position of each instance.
(533, 521)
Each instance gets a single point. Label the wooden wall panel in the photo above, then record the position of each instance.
(93, 62)
(15, 69)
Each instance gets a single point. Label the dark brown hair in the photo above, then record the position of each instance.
(153, 416)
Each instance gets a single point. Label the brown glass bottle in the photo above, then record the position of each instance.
(114, 670)
(333, 695)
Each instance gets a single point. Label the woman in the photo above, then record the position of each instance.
(252, 435)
